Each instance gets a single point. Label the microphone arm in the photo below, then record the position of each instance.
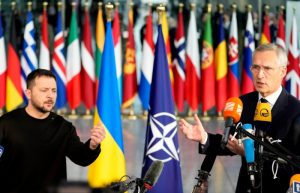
(288, 158)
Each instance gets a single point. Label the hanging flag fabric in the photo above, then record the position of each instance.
(221, 66)
(249, 46)
(208, 96)
(266, 35)
(110, 165)
(129, 71)
(161, 136)
(179, 63)
(59, 63)
(192, 84)
(14, 96)
(44, 60)
(88, 66)
(118, 50)
(280, 39)
(73, 66)
(292, 77)
(147, 65)
(3, 66)
(100, 34)
(233, 89)
(29, 60)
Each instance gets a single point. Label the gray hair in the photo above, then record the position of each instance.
(282, 59)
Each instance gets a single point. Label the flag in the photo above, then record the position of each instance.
(129, 74)
(179, 63)
(192, 84)
(59, 63)
(73, 64)
(3, 66)
(292, 79)
(207, 67)
(110, 165)
(280, 39)
(88, 66)
(29, 60)
(14, 96)
(221, 66)
(44, 60)
(118, 50)
(266, 35)
(147, 65)
(249, 45)
(233, 89)
(161, 135)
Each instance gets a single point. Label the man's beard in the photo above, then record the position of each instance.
(40, 108)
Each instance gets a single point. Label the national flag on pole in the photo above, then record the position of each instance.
(179, 63)
(192, 69)
(292, 78)
(233, 89)
(266, 35)
(14, 96)
(221, 66)
(110, 165)
(118, 49)
(147, 65)
(88, 66)
(161, 136)
(3, 66)
(73, 64)
(44, 60)
(129, 74)
(280, 39)
(100, 34)
(249, 46)
(59, 63)
(29, 61)
(208, 96)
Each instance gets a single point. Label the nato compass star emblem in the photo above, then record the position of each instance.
(163, 126)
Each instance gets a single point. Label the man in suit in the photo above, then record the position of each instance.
(268, 70)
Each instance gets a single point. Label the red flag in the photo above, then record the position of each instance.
(3, 66)
(88, 66)
(44, 60)
(266, 36)
(280, 40)
(129, 77)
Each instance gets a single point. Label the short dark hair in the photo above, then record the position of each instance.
(38, 73)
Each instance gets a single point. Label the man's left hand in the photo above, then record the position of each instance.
(97, 136)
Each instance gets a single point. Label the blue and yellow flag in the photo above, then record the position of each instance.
(110, 165)
(161, 136)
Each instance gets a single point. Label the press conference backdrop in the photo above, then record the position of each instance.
(224, 174)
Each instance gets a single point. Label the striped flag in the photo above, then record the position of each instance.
(59, 63)
(147, 65)
(280, 39)
(233, 89)
(3, 66)
(88, 66)
(221, 66)
(179, 63)
(73, 64)
(249, 45)
(292, 79)
(29, 60)
(266, 35)
(118, 50)
(207, 68)
(44, 60)
(14, 96)
(100, 34)
(192, 84)
(110, 165)
(129, 74)
(161, 136)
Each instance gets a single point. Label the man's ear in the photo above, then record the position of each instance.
(28, 93)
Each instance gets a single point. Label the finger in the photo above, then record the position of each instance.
(197, 120)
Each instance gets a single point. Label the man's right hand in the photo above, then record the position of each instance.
(193, 132)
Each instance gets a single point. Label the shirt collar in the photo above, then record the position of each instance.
(272, 98)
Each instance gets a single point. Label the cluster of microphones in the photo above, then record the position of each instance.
(246, 132)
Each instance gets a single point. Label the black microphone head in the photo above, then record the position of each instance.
(153, 173)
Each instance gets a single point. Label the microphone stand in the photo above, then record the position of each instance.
(202, 183)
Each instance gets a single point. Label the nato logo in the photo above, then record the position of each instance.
(163, 145)
(296, 187)
(1, 150)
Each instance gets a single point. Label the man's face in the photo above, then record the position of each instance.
(267, 73)
(42, 94)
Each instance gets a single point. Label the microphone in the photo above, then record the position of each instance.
(294, 184)
(262, 118)
(232, 114)
(151, 176)
(249, 153)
